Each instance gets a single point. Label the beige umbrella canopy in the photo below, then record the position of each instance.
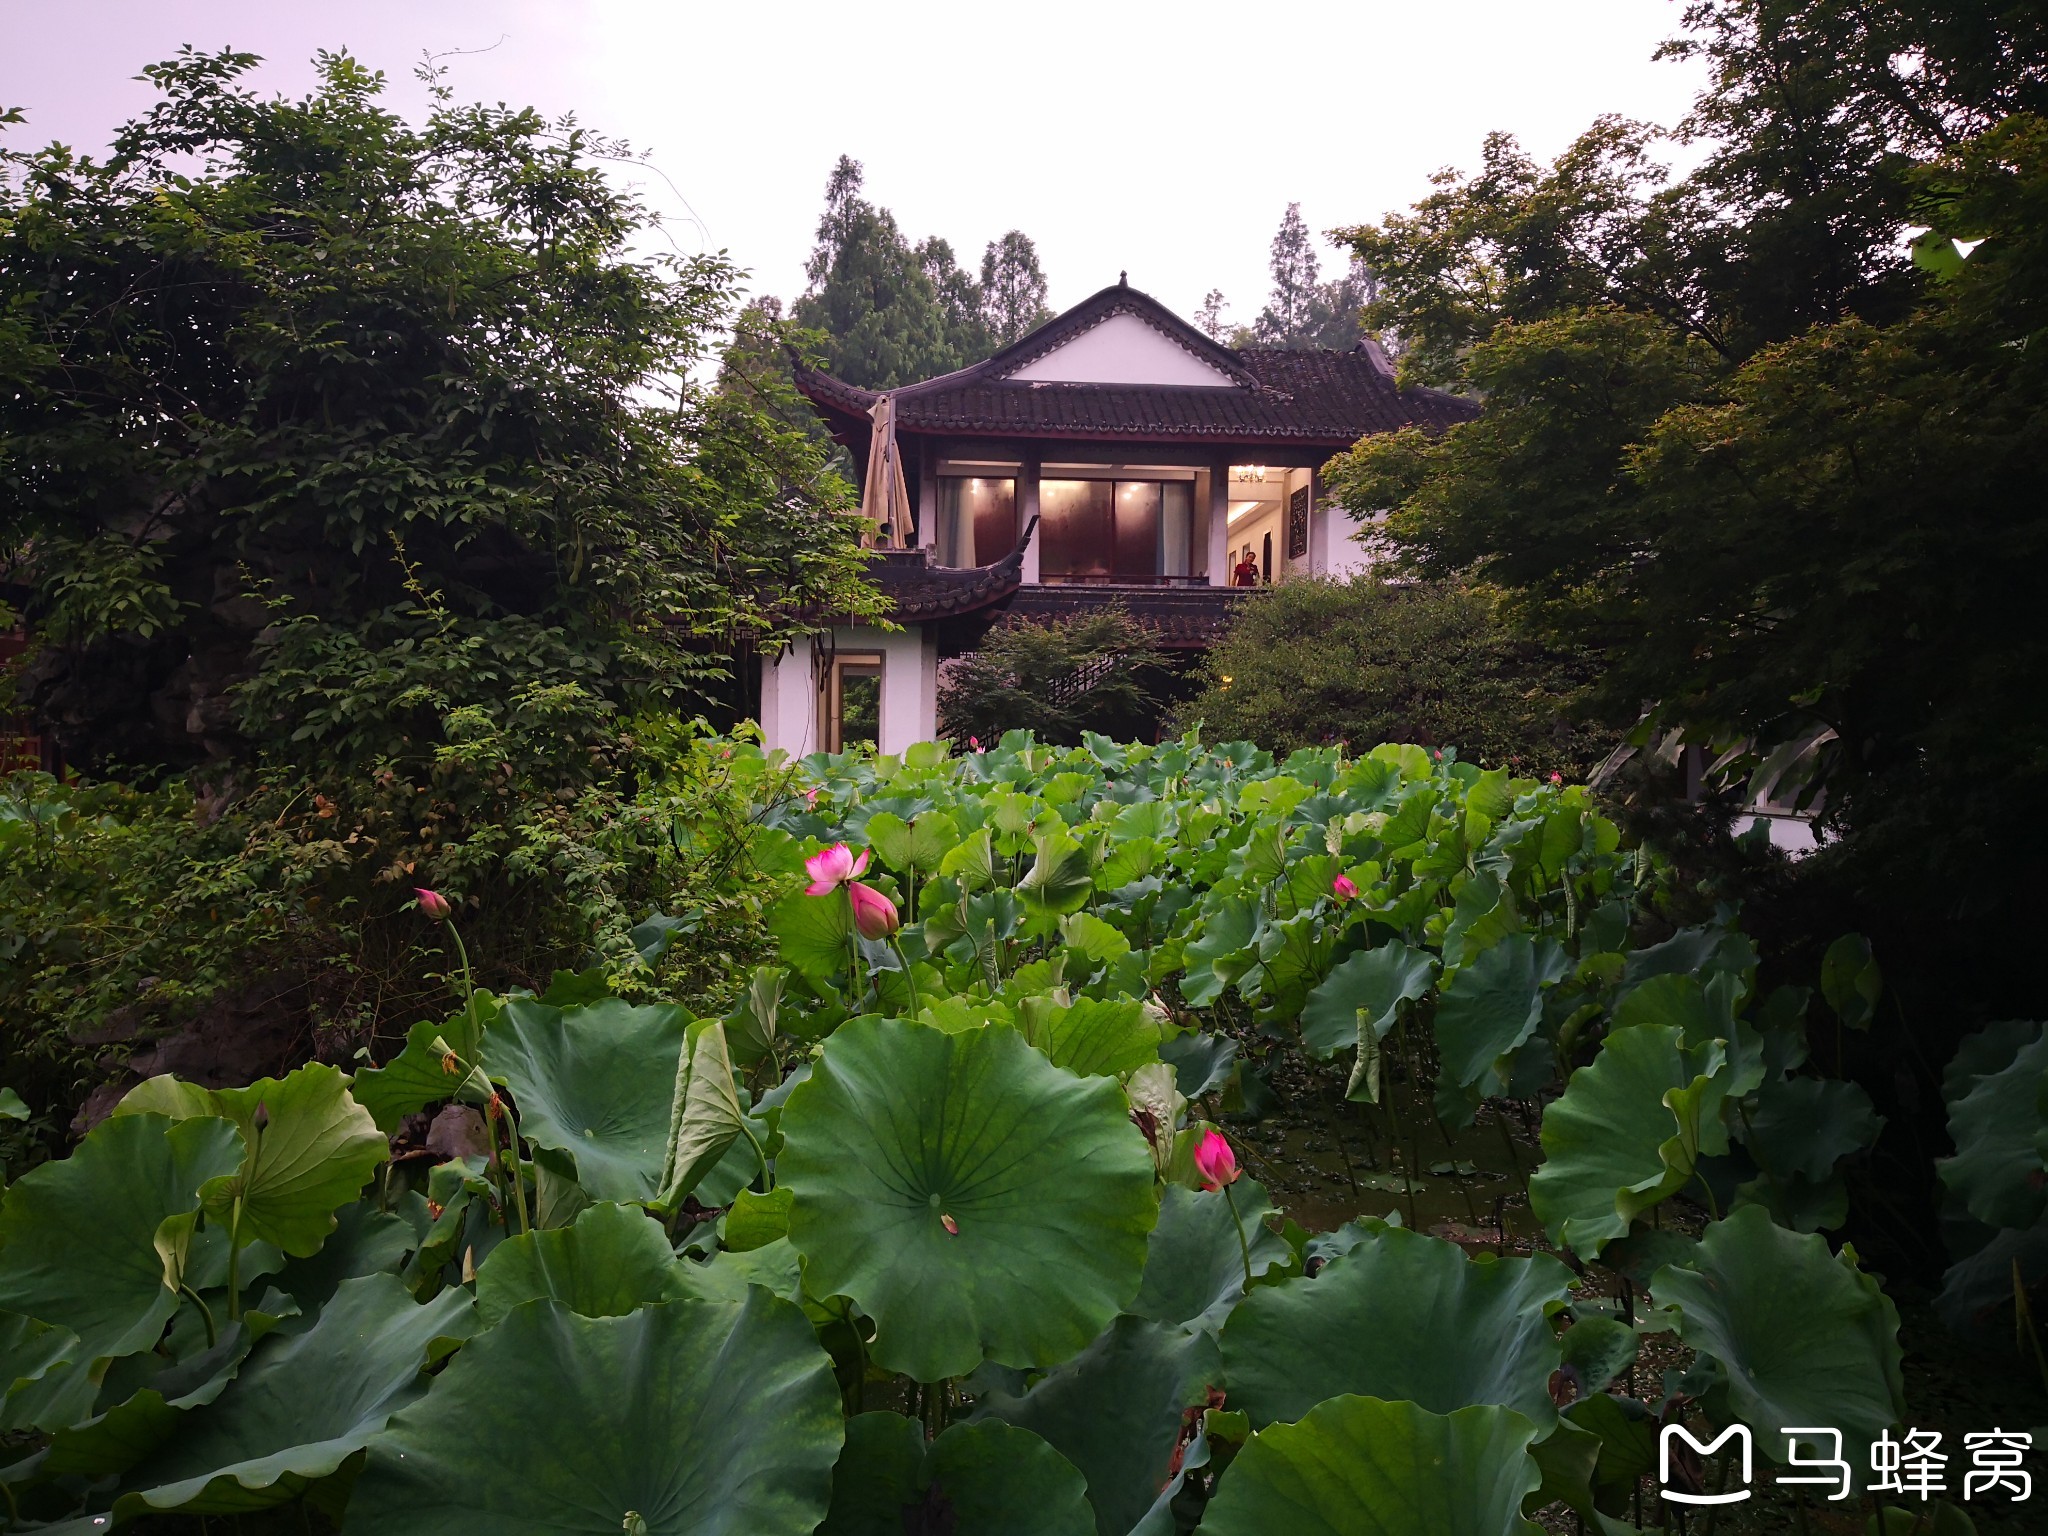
(885, 499)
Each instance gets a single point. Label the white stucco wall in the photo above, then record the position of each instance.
(1332, 550)
(1124, 350)
(791, 684)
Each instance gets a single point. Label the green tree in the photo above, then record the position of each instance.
(1099, 671)
(961, 301)
(1012, 288)
(1784, 476)
(299, 391)
(1367, 661)
(870, 296)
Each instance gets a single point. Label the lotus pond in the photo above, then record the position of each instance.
(974, 1215)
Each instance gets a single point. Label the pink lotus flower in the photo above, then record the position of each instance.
(874, 914)
(1214, 1160)
(832, 867)
(433, 903)
(1344, 888)
(811, 798)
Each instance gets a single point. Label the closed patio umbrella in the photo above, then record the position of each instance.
(885, 499)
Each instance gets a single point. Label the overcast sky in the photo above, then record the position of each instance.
(1162, 138)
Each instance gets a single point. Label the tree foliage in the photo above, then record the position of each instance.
(1012, 288)
(1367, 660)
(1780, 470)
(297, 383)
(1098, 671)
(891, 312)
(1301, 310)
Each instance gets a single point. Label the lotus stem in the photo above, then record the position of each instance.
(462, 954)
(518, 1179)
(910, 981)
(235, 1262)
(212, 1333)
(1243, 1248)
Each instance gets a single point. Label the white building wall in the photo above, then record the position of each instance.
(792, 689)
(789, 702)
(1333, 552)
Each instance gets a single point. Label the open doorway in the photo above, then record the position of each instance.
(850, 703)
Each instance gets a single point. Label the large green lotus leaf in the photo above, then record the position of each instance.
(595, 1082)
(1194, 1264)
(1201, 1063)
(700, 1417)
(137, 1424)
(1115, 1411)
(990, 1478)
(1802, 1126)
(1599, 1349)
(1402, 1315)
(78, 1236)
(314, 1155)
(610, 1260)
(1996, 1171)
(40, 1369)
(1990, 1050)
(1059, 879)
(366, 1241)
(813, 933)
(918, 844)
(302, 1405)
(1092, 1037)
(417, 1076)
(1358, 1466)
(1047, 1186)
(1376, 980)
(1491, 1006)
(1805, 1338)
(1217, 953)
(1612, 1146)
(706, 1116)
(725, 1277)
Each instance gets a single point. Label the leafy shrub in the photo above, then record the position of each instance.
(1057, 678)
(236, 924)
(930, 1218)
(1316, 661)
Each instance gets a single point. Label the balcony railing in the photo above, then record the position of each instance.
(1091, 580)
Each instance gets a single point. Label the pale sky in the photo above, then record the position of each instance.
(1166, 139)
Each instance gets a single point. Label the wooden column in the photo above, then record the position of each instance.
(1219, 523)
(1027, 509)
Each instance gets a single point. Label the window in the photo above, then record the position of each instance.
(1135, 531)
(850, 704)
(1076, 522)
(977, 520)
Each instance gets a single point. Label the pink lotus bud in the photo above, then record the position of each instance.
(811, 798)
(261, 1119)
(874, 914)
(1557, 778)
(1214, 1160)
(952, 1227)
(1344, 888)
(433, 903)
(974, 742)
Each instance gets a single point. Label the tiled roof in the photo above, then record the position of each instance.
(917, 589)
(1178, 617)
(1316, 397)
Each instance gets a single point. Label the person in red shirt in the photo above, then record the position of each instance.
(1246, 572)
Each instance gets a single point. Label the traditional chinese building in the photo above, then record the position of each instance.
(1115, 454)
